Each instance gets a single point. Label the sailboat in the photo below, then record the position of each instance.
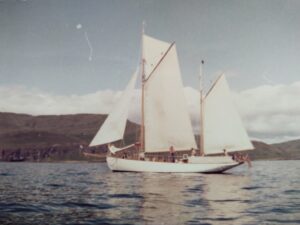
(166, 124)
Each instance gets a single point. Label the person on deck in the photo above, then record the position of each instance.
(246, 158)
(142, 156)
(225, 152)
(193, 152)
(172, 154)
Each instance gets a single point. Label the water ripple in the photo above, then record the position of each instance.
(133, 195)
(75, 193)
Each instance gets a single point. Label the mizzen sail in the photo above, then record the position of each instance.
(167, 122)
(223, 128)
(114, 126)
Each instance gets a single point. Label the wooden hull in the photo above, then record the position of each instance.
(207, 165)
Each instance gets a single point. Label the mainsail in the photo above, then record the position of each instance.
(114, 126)
(167, 121)
(222, 128)
(153, 51)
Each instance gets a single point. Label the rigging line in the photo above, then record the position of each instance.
(159, 62)
(90, 46)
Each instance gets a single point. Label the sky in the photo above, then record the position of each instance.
(59, 57)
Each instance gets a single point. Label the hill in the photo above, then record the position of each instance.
(264, 151)
(58, 137)
(51, 137)
(290, 148)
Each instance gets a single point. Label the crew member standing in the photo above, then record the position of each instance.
(172, 154)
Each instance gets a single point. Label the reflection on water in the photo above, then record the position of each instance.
(190, 198)
(227, 198)
(91, 194)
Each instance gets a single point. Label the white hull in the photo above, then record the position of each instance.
(203, 165)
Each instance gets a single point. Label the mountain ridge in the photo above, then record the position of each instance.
(59, 137)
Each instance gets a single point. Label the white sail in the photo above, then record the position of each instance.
(153, 51)
(223, 128)
(114, 126)
(167, 121)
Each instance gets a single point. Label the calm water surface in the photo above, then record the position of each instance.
(85, 193)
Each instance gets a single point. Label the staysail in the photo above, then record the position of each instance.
(167, 121)
(114, 126)
(222, 128)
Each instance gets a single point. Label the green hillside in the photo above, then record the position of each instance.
(58, 137)
(53, 137)
(290, 148)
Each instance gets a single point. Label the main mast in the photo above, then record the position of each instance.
(201, 137)
(143, 78)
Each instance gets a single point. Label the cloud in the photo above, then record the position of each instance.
(20, 99)
(270, 112)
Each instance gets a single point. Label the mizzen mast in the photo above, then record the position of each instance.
(201, 137)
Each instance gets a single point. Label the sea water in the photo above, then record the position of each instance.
(89, 193)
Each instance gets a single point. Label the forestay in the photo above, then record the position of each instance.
(167, 121)
(223, 128)
(114, 126)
